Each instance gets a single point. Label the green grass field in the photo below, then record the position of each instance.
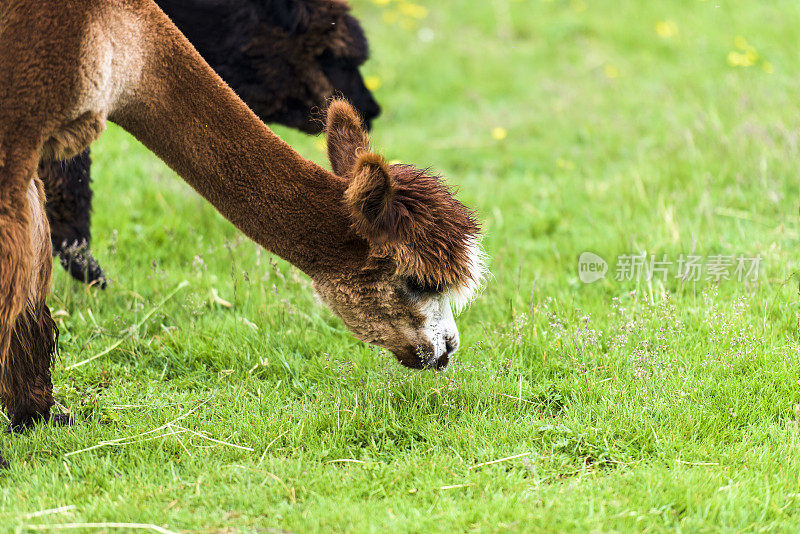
(234, 403)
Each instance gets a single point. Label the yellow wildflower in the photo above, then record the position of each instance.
(666, 29)
(611, 71)
(412, 10)
(373, 83)
(737, 59)
(499, 133)
(748, 55)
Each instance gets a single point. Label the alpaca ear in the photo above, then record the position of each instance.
(371, 198)
(347, 138)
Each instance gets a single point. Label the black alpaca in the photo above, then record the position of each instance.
(284, 58)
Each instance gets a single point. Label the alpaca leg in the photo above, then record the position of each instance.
(27, 389)
(69, 204)
(27, 332)
(16, 246)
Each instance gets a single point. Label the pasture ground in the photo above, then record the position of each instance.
(234, 403)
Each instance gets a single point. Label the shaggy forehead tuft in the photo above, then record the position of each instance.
(441, 235)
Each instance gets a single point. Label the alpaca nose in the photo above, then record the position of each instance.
(451, 344)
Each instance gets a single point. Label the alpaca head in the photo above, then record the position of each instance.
(285, 58)
(424, 260)
(321, 47)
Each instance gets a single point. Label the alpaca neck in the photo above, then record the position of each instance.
(205, 133)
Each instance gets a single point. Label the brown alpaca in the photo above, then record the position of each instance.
(386, 246)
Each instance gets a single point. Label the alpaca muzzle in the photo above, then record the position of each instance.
(439, 337)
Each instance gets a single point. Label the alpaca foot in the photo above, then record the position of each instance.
(81, 265)
(19, 425)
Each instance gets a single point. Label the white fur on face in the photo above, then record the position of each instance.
(461, 296)
(440, 327)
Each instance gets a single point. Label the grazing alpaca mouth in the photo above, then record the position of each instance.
(424, 359)
(435, 354)
(438, 364)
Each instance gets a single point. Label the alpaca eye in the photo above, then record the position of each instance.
(418, 287)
